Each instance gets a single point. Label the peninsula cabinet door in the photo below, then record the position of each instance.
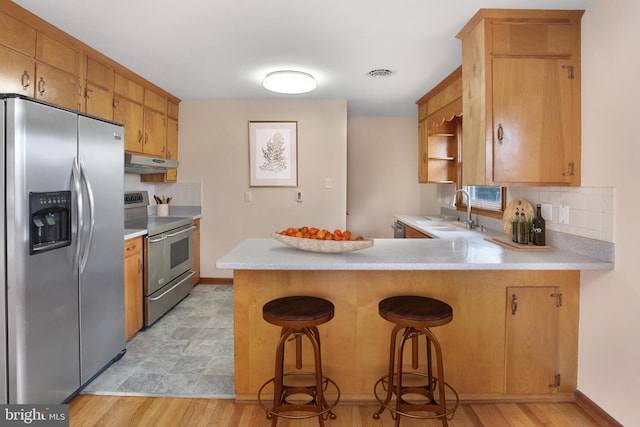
(532, 340)
(532, 121)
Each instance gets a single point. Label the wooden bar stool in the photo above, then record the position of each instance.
(298, 316)
(415, 391)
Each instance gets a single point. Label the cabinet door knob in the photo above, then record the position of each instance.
(500, 133)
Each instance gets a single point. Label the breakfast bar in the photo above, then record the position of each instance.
(514, 333)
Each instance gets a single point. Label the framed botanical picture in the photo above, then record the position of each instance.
(273, 154)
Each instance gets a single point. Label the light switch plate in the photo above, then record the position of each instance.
(247, 196)
(563, 214)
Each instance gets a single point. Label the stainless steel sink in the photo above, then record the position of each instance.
(439, 217)
(434, 226)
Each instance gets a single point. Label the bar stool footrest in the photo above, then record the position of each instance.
(315, 408)
(405, 407)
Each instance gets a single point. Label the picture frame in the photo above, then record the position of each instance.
(273, 154)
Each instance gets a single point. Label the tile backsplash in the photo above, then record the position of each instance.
(182, 193)
(591, 209)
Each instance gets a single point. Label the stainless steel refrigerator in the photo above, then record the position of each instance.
(63, 298)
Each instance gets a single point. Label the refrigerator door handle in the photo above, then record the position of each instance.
(75, 173)
(92, 218)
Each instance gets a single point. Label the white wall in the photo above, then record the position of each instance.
(382, 170)
(609, 355)
(214, 150)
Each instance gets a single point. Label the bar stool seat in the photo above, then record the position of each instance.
(299, 317)
(413, 316)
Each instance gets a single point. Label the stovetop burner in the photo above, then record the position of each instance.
(136, 215)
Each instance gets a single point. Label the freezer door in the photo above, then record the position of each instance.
(41, 290)
(101, 150)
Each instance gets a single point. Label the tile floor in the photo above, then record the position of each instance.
(187, 353)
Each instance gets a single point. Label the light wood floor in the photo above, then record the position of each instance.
(109, 411)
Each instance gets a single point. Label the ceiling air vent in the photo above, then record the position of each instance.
(381, 72)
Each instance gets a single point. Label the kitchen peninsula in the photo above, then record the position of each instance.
(514, 333)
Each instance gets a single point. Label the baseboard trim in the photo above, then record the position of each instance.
(596, 412)
(216, 281)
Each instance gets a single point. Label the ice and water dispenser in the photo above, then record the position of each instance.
(50, 215)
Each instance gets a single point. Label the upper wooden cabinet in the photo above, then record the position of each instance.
(40, 61)
(440, 131)
(521, 98)
(171, 175)
(143, 112)
(17, 50)
(59, 70)
(98, 93)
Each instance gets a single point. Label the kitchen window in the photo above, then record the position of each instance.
(485, 200)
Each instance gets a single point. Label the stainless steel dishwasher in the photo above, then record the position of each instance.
(398, 230)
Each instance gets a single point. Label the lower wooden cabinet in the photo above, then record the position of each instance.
(412, 233)
(133, 316)
(531, 353)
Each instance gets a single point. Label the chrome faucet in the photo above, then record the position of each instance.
(469, 222)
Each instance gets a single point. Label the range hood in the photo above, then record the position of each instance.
(139, 164)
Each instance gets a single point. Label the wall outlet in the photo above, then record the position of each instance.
(563, 214)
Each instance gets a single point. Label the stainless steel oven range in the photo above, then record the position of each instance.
(168, 255)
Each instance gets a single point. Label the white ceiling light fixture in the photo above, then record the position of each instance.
(289, 82)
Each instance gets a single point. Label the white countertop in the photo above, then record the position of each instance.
(466, 251)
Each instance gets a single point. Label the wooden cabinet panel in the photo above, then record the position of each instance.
(412, 233)
(17, 35)
(536, 138)
(173, 109)
(521, 98)
(58, 87)
(59, 55)
(17, 72)
(531, 39)
(99, 89)
(98, 101)
(133, 306)
(154, 101)
(130, 114)
(172, 148)
(128, 88)
(155, 133)
(100, 74)
(532, 340)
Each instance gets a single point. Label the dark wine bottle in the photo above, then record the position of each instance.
(538, 227)
(514, 226)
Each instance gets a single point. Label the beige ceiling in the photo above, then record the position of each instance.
(221, 49)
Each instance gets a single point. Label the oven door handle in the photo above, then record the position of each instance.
(157, 240)
(181, 231)
(173, 287)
